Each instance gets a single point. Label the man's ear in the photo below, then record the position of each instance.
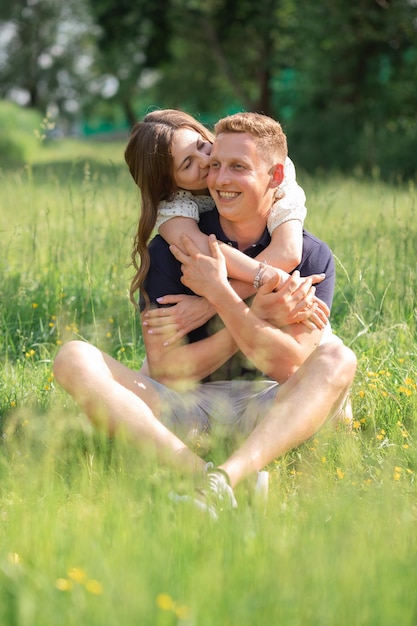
(278, 174)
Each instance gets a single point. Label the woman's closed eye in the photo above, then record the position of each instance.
(204, 146)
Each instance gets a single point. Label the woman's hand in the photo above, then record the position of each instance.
(291, 302)
(187, 314)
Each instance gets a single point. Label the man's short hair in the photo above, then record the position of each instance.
(267, 133)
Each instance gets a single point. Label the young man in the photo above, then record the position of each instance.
(272, 383)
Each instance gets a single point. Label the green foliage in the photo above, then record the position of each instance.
(47, 47)
(353, 88)
(18, 142)
(340, 76)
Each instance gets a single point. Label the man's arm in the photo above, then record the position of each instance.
(278, 352)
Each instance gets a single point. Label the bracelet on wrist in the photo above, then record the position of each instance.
(258, 278)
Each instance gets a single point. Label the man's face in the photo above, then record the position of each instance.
(238, 179)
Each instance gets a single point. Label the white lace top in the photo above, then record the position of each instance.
(290, 203)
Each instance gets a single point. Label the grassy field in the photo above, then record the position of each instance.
(88, 534)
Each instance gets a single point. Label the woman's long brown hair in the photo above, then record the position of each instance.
(149, 158)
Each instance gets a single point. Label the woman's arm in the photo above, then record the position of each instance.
(181, 365)
(239, 266)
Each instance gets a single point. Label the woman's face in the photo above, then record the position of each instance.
(190, 154)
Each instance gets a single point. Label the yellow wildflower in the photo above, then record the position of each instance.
(63, 584)
(77, 574)
(165, 602)
(94, 586)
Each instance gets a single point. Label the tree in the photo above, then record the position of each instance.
(133, 44)
(356, 76)
(47, 51)
(200, 53)
(230, 50)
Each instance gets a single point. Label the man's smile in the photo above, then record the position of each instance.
(228, 195)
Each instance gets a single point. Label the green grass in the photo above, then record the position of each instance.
(88, 534)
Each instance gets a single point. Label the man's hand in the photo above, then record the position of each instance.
(291, 302)
(201, 273)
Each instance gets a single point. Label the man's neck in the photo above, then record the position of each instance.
(244, 233)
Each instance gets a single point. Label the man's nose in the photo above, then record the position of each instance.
(222, 176)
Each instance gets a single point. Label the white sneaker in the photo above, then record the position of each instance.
(215, 494)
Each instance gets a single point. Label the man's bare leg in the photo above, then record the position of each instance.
(117, 398)
(303, 404)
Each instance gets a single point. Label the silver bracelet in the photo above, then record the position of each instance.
(258, 278)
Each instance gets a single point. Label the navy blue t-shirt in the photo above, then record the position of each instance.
(164, 278)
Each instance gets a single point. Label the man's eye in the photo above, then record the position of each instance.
(214, 165)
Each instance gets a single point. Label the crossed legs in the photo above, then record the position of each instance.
(116, 397)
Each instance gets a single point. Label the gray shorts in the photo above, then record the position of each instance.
(224, 408)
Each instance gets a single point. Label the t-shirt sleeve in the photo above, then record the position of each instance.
(318, 259)
(180, 206)
(291, 199)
